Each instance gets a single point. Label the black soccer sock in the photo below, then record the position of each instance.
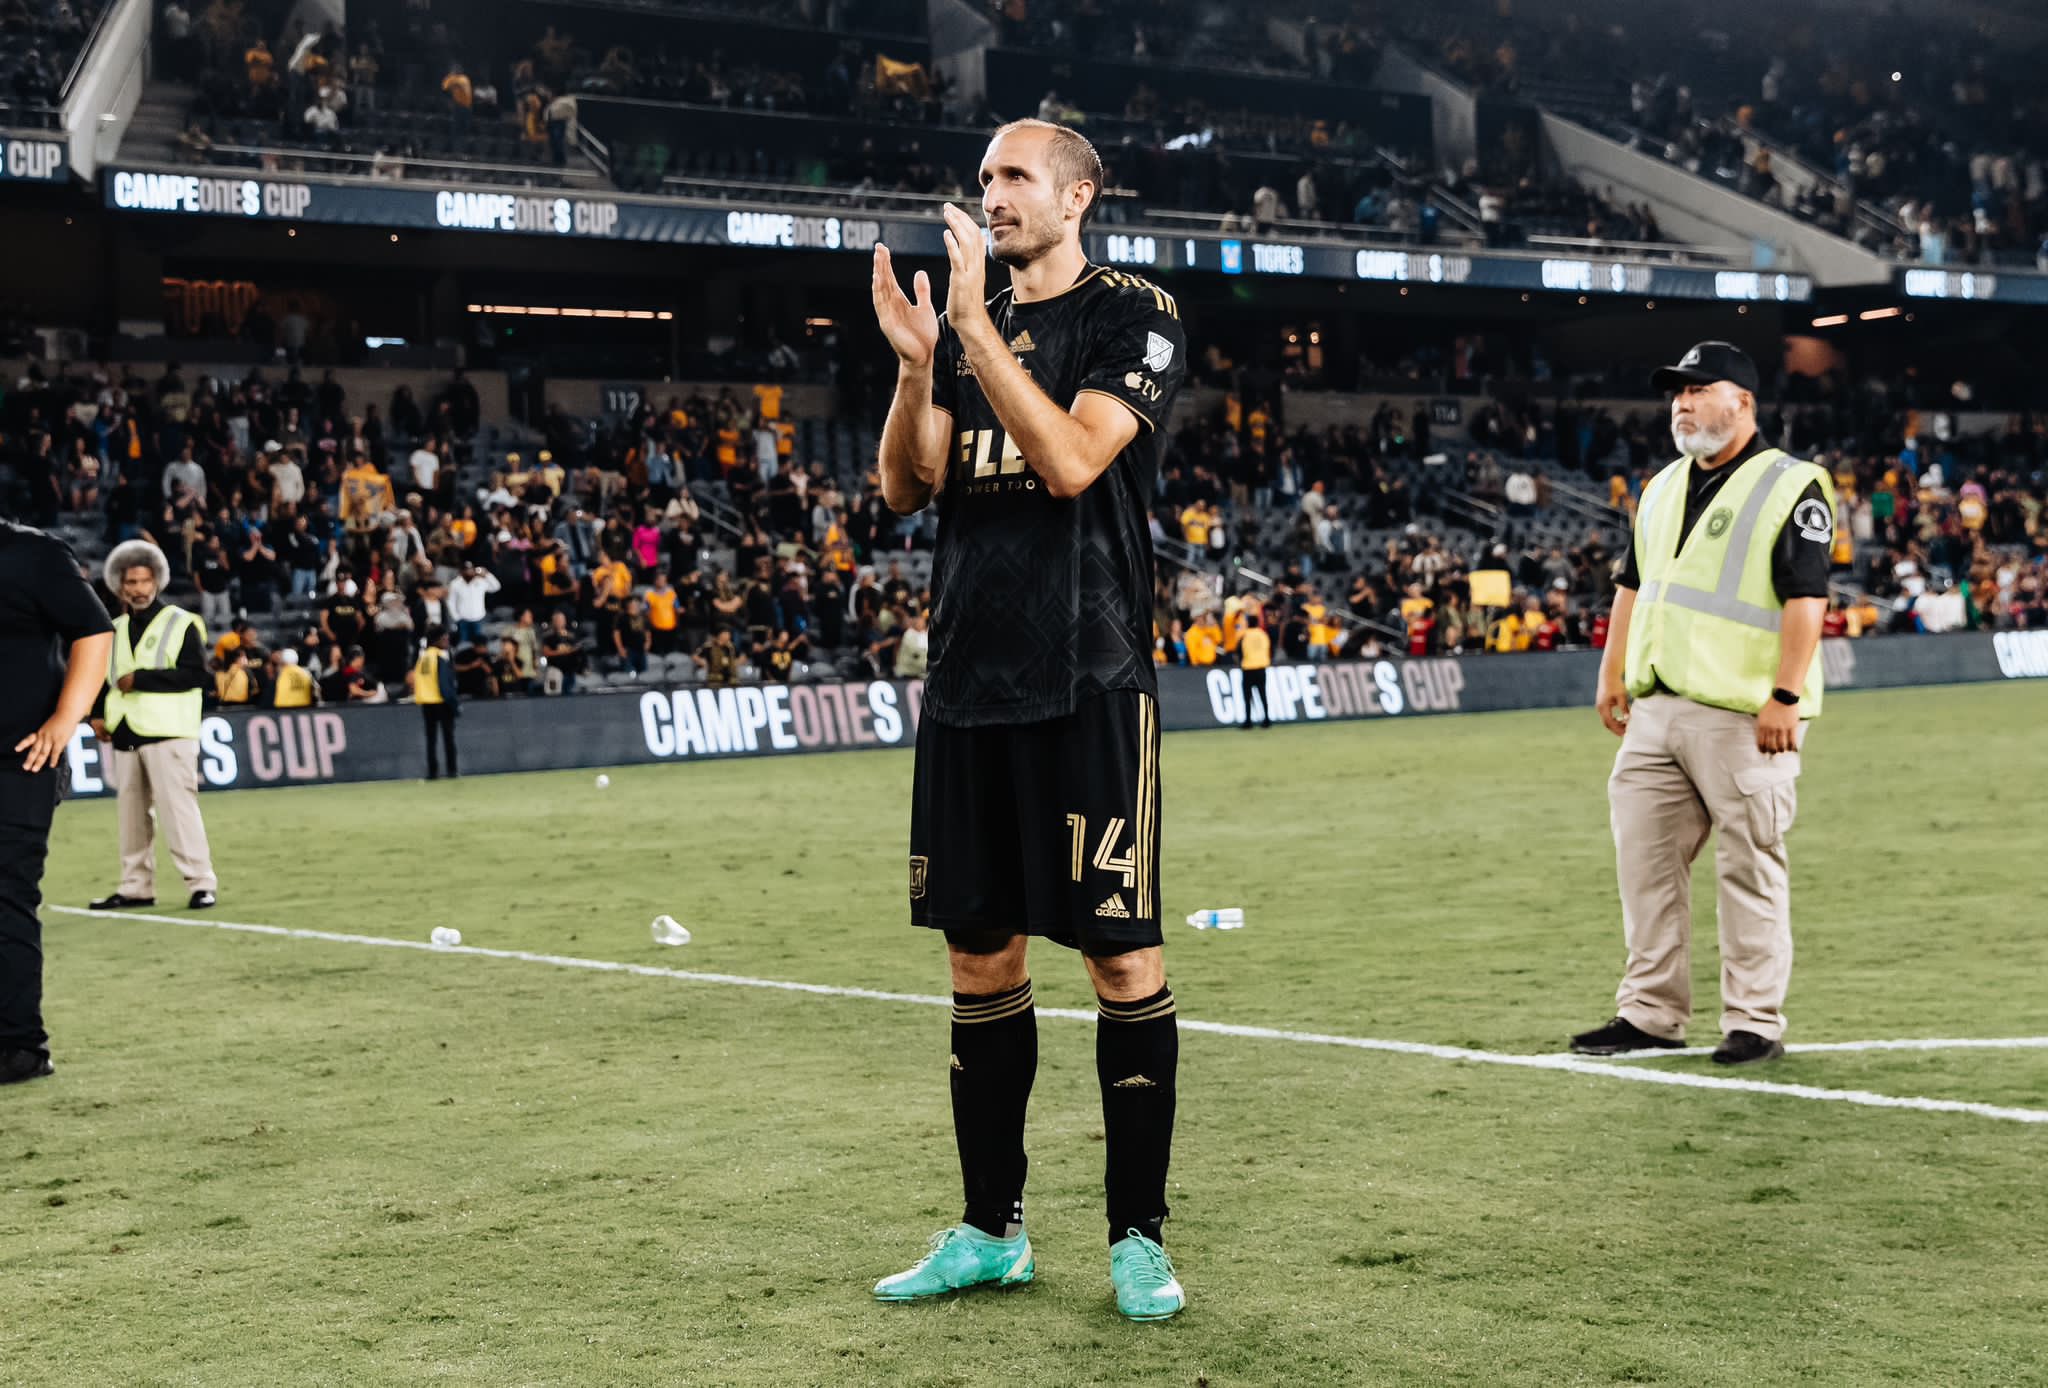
(1137, 1054)
(995, 1058)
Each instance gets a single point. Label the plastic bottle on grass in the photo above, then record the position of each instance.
(667, 930)
(1226, 918)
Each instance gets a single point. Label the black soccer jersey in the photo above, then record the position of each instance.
(1039, 602)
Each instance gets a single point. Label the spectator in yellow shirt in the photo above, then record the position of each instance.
(1194, 525)
(366, 496)
(261, 65)
(232, 683)
(461, 96)
(662, 606)
(294, 687)
(1205, 637)
(1322, 632)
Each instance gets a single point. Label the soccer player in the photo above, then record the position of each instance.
(1033, 416)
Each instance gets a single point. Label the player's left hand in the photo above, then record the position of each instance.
(967, 286)
(1777, 728)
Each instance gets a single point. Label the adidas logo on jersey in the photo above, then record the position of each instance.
(1022, 342)
(1114, 907)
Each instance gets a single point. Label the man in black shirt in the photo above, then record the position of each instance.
(54, 640)
(1032, 417)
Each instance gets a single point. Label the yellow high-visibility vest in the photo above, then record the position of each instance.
(149, 714)
(1707, 617)
(426, 677)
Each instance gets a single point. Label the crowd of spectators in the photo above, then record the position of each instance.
(39, 42)
(308, 530)
(1933, 122)
(693, 541)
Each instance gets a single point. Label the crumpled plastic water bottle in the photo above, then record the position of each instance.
(1227, 918)
(446, 935)
(667, 930)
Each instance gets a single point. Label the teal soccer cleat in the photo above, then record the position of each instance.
(1146, 1289)
(961, 1257)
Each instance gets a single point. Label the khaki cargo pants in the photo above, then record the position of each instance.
(1685, 769)
(163, 776)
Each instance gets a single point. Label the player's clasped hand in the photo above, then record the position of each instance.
(912, 328)
(1777, 728)
(967, 289)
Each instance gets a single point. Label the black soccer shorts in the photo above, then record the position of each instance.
(1045, 828)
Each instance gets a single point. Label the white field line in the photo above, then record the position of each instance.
(1577, 1065)
(1911, 1043)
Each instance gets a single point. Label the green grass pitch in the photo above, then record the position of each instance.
(270, 1160)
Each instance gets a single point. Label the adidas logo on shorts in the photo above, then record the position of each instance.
(1114, 907)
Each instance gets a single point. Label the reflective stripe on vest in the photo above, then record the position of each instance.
(158, 713)
(1722, 601)
(1707, 618)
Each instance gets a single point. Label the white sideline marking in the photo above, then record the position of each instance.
(1911, 1043)
(1574, 1064)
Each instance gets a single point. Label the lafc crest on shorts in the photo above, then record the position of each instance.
(919, 867)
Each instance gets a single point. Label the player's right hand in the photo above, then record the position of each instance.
(1612, 704)
(912, 328)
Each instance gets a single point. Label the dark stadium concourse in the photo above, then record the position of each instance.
(639, 309)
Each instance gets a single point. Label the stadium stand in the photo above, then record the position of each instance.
(654, 99)
(40, 40)
(308, 520)
(1918, 138)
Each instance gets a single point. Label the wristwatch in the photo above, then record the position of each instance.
(1785, 696)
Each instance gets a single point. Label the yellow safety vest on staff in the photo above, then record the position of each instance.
(149, 713)
(1707, 617)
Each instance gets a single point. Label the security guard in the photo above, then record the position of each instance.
(1254, 658)
(151, 716)
(46, 611)
(1711, 669)
(432, 678)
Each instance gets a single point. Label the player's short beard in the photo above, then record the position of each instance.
(1026, 243)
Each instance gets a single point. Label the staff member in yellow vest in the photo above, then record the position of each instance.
(1254, 658)
(150, 714)
(1712, 668)
(432, 680)
(54, 637)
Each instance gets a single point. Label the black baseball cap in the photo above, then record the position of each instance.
(1706, 363)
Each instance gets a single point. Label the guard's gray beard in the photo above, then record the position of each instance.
(1702, 443)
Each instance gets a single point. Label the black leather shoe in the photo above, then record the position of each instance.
(16, 1066)
(1747, 1048)
(200, 901)
(116, 901)
(1618, 1036)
